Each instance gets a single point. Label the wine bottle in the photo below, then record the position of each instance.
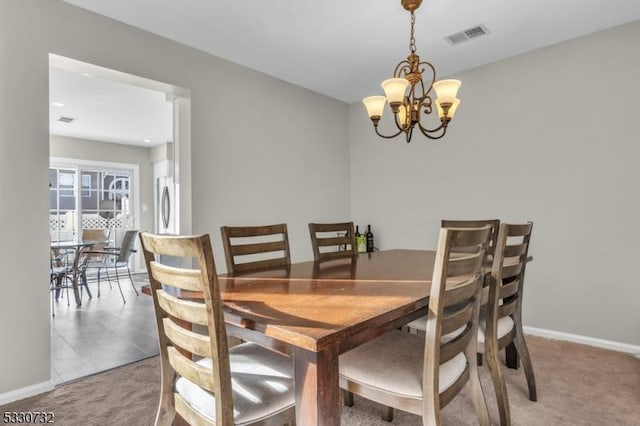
(369, 239)
(361, 245)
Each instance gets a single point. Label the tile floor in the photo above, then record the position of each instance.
(103, 333)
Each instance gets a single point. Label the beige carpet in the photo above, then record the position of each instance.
(577, 385)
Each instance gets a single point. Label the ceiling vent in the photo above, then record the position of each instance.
(66, 119)
(459, 37)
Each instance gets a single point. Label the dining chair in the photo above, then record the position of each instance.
(253, 248)
(58, 270)
(339, 238)
(98, 235)
(115, 258)
(422, 375)
(246, 384)
(101, 237)
(501, 325)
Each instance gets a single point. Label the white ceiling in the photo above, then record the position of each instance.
(107, 110)
(341, 48)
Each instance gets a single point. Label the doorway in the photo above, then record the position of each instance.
(108, 130)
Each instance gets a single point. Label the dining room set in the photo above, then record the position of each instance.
(274, 342)
(77, 262)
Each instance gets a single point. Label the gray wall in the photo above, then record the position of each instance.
(279, 166)
(549, 136)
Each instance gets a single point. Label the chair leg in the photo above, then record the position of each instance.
(53, 307)
(347, 398)
(499, 386)
(106, 270)
(67, 287)
(387, 413)
(119, 288)
(523, 350)
(85, 284)
(511, 356)
(99, 269)
(474, 388)
(131, 279)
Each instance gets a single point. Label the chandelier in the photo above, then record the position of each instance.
(411, 108)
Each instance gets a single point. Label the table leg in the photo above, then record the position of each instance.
(317, 387)
(511, 356)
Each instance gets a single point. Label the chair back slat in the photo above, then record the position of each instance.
(460, 265)
(507, 308)
(515, 250)
(185, 279)
(494, 223)
(510, 289)
(184, 310)
(513, 270)
(188, 340)
(458, 345)
(196, 373)
(458, 292)
(340, 236)
(455, 319)
(260, 265)
(333, 241)
(255, 231)
(246, 248)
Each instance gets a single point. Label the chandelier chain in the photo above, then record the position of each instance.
(412, 40)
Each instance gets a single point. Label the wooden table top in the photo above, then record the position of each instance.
(311, 309)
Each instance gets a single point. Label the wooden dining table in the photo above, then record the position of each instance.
(74, 246)
(317, 311)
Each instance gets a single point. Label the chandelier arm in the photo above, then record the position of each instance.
(424, 129)
(429, 132)
(403, 65)
(384, 136)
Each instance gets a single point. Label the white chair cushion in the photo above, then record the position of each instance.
(419, 324)
(394, 363)
(262, 383)
(505, 325)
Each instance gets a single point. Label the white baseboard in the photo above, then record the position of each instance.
(26, 392)
(585, 340)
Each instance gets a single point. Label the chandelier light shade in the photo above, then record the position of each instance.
(410, 97)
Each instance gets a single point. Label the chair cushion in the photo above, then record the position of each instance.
(394, 363)
(261, 380)
(505, 325)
